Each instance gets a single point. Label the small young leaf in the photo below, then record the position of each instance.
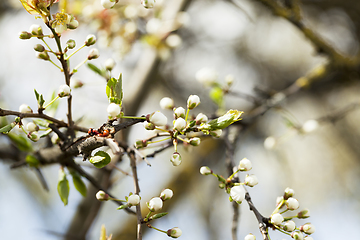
(40, 99)
(7, 128)
(158, 215)
(21, 142)
(63, 187)
(217, 95)
(78, 183)
(103, 232)
(114, 90)
(101, 159)
(122, 207)
(95, 69)
(32, 161)
(47, 132)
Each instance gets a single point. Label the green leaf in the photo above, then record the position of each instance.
(41, 122)
(95, 69)
(21, 142)
(32, 161)
(63, 187)
(158, 215)
(40, 99)
(7, 128)
(78, 183)
(217, 95)
(122, 207)
(101, 159)
(114, 90)
(103, 232)
(224, 121)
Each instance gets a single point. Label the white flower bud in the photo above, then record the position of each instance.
(109, 64)
(304, 213)
(270, 143)
(179, 112)
(277, 219)
(250, 236)
(176, 159)
(195, 141)
(64, 91)
(25, 35)
(93, 54)
(205, 170)
(297, 235)
(292, 204)
(133, 200)
(148, 3)
(206, 76)
(174, 232)
(307, 228)
(90, 40)
(55, 139)
(251, 180)
(166, 103)
(71, 43)
(102, 196)
(153, 26)
(279, 200)
(32, 127)
(180, 124)
(289, 226)
(36, 30)
(155, 204)
(149, 126)
(113, 110)
(75, 83)
(237, 193)
(25, 109)
(245, 165)
(310, 126)
(229, 79)
(166, 194)
(308, 238)
(217, 133)
(173, 40)
(107, 3)
(73, 23)
(193, 101)
(201, 118)
(33, 136)
(43, 55)
(157, 118)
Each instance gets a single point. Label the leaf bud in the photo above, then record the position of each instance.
(174, 232)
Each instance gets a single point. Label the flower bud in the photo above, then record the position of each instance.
(148, 3)
(32, 127)
(237, 193)
(43, 55)
(166, 103)
(33, 136)
(39, 48)
(304, 213)
(206, 76)
(155, 204)
(109, 64)
(251, 180)
(307, 228)
(174, 232)
(277, 219)
(289, 226)
(113, 110)
(193, 101)
(289, 192)
(179, 112)
(25, 109)
(133, 200)
(25, 35)
(173, 40)
(229, 79)
(297, 235)
(201, 118)
(310, 126)
(195, 141)
(166, 194)
(292, 204)
(140, 144)
(270, 143)
(279, 200)
(93, 54)
(205, 170)
(90, 40)
(71, 43)
(102, 196)
(180, 124)
(250, 236)
(176, 159)
(55, 139)
(73, 23)
(107, 3)
(64, 91)
(245, 165)
(149, 126)
(308, 238)
(36, 30)
(217, 133)
(157, 118)
(75, 83)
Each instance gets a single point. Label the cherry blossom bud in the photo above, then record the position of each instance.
(308, 238)
(73, 23)
(289, 226)
(133, 200)
(140, 144)
(245, 165)
(217, 133)
(113, 110)
(193, 101)
(166, 103)
(75, 83)
(93, 54)
(179, 112)
(310, 126)
(297, 235)
(180, 124)
(148, 3)
(174, 232)
(64, 91)
(277, 219)
(292, 204)
(107, 3)
(36, 30)
(206, 76)
(176, 159)
(90, 40)
(250, 236)
(71, 43)
(279, 200)
(155, 204)
(33, 136)
(39, 48)
(149, 126)
(288, 193)
(55, 139)
(166, 194)
(251, 180)
(25, 109)
(195, 141)
(229, 79)
(102, 196)
(307, 228)
(32, 127)
(304, 213)
(173, 40)
(43, 55)
(201, 118)
(237, 193)
(25, 35)
(109, 64)
(270, 143)
(205, 170)
(157, 118)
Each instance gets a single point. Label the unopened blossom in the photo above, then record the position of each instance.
(297, 235)
(33, 136)
(195, 141)
(93, 54)
(157, 118)
(251, 180)
(193, 101)
(277, 219)
(179, 112)
(133, 200)
(304, 213)
(102, 196)
(174, 232)
(201, 118)
(292, 203)
(307, 228)
(237, 193)
(173, 40)
(289, 226)
(43, 55)
(166, 194)
(180, 124)
(289, 192)
(167, 103)
(109, 64)
(250, 236)
(64, 91)
(175, 159)
(90, 40)
(155, 204)
(25, 109)
(36, 30)
(206, 76)
(148, 3)
(32, 127)
(216, 133)
(245, 164)
(308, 238)
(75, 83)
(107, 3)
(229, 79)
(205, 170)
(113, 110)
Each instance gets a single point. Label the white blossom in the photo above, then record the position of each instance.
(133, 200)
(102, 196)
(158, 118)
(237, 193)
(64, 91)
(155, 204)
(113, 110)
(173, 40)
(289, 226)
(31, 127)
(174, 232)
(179, 112)
(307, 228)
(245, 164)
(166, 194)
(166, 103)
(107, 3)
(251, 180)
(109, 64)
(180, 124)
(206, 76)
(217, 133)
(195, 141)
(277, 219)
(292, 203)
(193, 101)
(201, 118)
(297, 235)
(175, 159)
(25, 109)
(270, 143)
(148, 3)
(250, 236)
(205, 170)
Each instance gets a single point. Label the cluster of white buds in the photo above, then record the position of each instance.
(156, 203)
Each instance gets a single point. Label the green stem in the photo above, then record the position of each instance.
(67, 58)
(232, 175)
(187, 114)
(164, 139)
(114, 199)
(42, 39)
(147, 216)
(163, 130)
(56, 65)
(51, 102)
(279, 229)
(284, 211)
(278, 207)
(157, 229)
(22, 128)
(182, 139)
(79, 65)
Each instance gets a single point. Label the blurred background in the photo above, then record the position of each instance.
(160, 52)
